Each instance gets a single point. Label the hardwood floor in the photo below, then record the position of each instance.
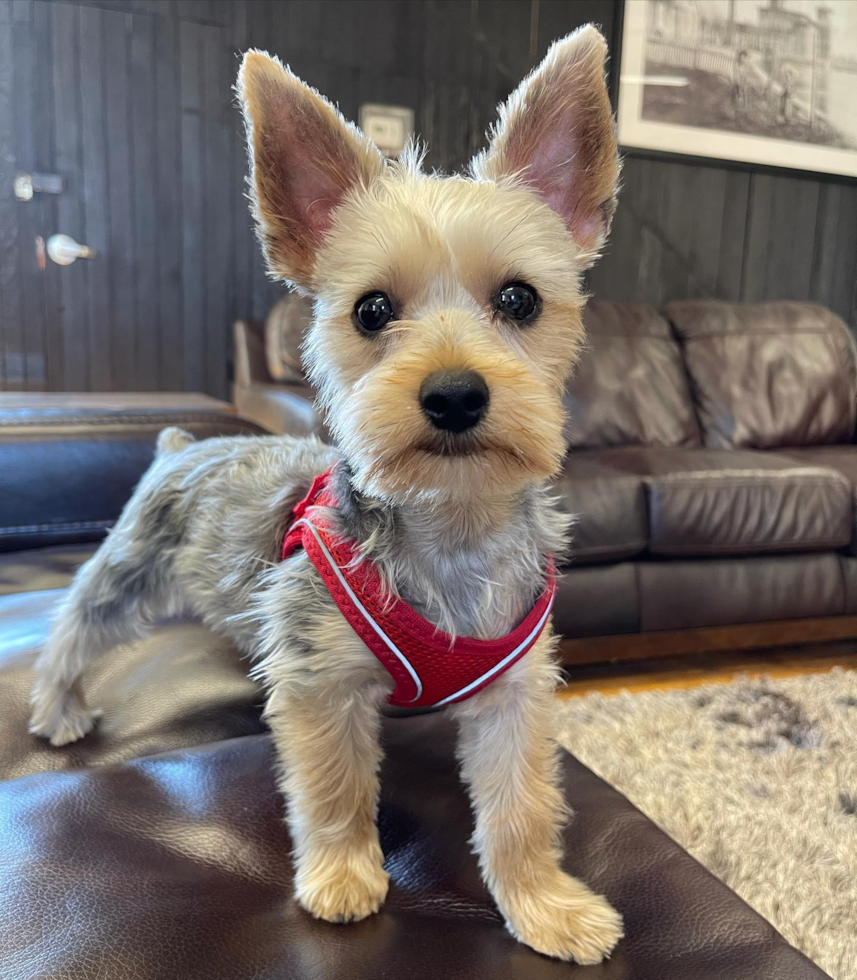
(694, 670)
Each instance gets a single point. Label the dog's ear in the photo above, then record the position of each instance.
(556, 134)
(304, 159)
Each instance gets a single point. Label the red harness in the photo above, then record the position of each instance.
(429, 667)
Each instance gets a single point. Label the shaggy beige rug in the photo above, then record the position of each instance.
(757, 780)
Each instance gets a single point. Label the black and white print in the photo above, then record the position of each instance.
(765, 81)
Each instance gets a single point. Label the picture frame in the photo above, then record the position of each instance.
(770, 82)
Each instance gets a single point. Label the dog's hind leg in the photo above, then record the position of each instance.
(114, 599)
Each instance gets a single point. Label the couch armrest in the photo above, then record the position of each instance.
(66, 472)
(251, 366)
(286, 409)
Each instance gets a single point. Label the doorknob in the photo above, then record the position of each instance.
(64, 250)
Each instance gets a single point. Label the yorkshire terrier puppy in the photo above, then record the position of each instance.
(447, 318)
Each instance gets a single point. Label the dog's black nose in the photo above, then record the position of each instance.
(454, 400)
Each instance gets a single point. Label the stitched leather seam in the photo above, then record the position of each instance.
(713, 334)
(118, 420)
(63, 526)
(746, 472)
(737, 549)
(606, 549)
(633, 337)
(747, 485)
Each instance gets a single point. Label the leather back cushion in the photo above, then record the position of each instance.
(629, 388)
(284, 331)
(769, 374)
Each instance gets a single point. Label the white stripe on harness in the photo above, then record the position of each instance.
(337, 571)
(397, 652)
(497, 667)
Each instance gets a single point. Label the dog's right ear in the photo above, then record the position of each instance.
(304, 160)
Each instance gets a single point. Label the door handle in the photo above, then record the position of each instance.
(64, 250)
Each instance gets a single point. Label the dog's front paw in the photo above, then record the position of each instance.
(343, 891)
(564, 919)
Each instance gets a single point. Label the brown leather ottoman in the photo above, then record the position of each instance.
(155, 848)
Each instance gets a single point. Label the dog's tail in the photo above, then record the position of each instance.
(173, 440)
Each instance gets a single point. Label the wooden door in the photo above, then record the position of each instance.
(130, 105)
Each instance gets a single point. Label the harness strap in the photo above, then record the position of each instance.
(428, 666)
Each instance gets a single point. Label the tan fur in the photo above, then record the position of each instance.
(172, 440)
(459, 524)
(330, 757)
(520, 810)
(421, 246)
(441, 248)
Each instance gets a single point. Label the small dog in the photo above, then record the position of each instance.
(447, 317)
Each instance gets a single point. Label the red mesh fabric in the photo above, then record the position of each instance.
(448, 670)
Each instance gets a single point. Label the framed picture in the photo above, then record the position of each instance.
(759, 81)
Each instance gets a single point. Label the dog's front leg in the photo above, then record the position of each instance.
(509, 762)
(328, 745)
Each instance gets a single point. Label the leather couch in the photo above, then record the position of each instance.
(711, 466)
(155, 848)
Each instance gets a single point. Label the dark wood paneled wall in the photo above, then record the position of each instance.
(131, 102)
(695, 231)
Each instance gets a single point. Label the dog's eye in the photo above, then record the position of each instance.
(374, 311)
(517, 300)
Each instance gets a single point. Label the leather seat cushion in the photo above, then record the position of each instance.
(138, 862)
(769, 375)
(609, 507)
(849, 576)
(629, 387)
(714, 502)
(67, 473)
(842, 459)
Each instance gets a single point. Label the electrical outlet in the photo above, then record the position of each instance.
(388, 126)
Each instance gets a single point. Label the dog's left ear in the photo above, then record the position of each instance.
(556, 134)
(304, 161)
